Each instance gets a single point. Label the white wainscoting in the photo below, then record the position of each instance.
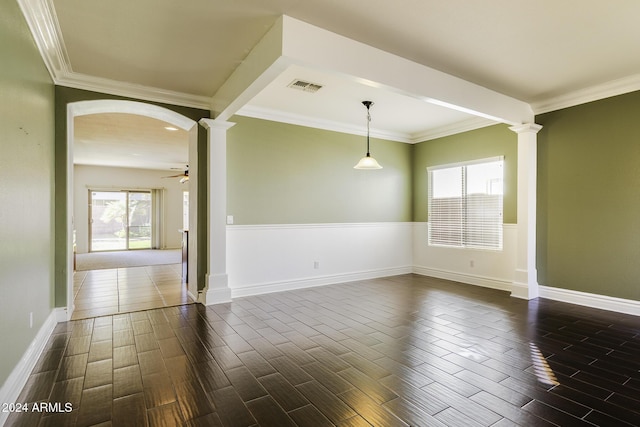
(491, 269)
(495, 269)
(273, 258)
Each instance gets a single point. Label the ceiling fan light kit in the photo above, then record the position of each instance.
(184, 177)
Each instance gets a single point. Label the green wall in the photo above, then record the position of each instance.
(482, 143)
(26, 188)
(286, 174)
(589, 197)
(64, 96)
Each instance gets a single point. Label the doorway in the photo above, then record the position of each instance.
(173, 121)
(120, 220)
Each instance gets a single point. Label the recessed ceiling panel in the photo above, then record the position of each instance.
(339, 101)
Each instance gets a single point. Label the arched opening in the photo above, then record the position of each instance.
(85, 108)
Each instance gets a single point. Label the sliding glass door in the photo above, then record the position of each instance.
(120, 220)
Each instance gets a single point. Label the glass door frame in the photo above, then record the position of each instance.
(127, 226)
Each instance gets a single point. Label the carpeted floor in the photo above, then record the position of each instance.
(122, 259)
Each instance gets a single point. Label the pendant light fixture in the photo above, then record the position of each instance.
(368, 162)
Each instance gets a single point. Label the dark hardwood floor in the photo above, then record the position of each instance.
(406, 350)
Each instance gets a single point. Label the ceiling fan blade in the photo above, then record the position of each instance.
(174, 176)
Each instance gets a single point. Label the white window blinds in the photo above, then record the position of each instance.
(465, 204)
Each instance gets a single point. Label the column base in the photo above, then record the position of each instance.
(525, 285)
(217, 290)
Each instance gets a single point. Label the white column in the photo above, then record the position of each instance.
(525, 281)
(217, 289)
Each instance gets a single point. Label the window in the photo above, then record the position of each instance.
(465, 204)
(185, 210)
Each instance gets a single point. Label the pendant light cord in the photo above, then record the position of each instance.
(368, 122)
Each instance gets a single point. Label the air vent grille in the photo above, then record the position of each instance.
(305, 86)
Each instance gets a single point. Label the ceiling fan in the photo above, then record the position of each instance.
(184, 177)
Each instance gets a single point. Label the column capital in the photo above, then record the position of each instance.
(526, 127)
(216, 124)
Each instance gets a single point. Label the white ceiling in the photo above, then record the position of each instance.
(547, 53)
(127, 140)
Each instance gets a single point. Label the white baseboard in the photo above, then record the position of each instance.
(602, 302)
(62, 314)
(486, 282)
(523, 291)
(217, 296)
(217, 290)
(265, 288)
(20, 374)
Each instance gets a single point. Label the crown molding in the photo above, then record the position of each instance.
(42, 20)
(43, 23)
(592, 93)
(301, 120)
(132, 90)
(452, 129)
(297, 119)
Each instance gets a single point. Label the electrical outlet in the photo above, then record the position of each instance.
(316, 265)
(472, 263)
(30, 319)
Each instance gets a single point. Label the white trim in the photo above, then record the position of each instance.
(313, 122)
(45, 28)
(216, 296)
(408, 138)
(452, 129)
(318, 225)
(602, 302)
(81, 108)
(18, 377)
(84, 108)
(266, 288)
(62, 314)
(593, 93)
(521, 289)
(43, 22)
(469, 279)
(466, 163)
(132, 90)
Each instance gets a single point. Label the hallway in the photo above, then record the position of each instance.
(123, 290)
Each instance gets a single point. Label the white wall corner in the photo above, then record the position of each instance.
(17, 379)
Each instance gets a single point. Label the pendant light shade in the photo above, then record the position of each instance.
(368, 162)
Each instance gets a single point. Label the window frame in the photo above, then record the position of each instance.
(464, 230)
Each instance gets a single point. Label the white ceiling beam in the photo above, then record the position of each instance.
(291, 41)
(261, 66)
(314, 47)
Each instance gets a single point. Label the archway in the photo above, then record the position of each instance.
(82, 108)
